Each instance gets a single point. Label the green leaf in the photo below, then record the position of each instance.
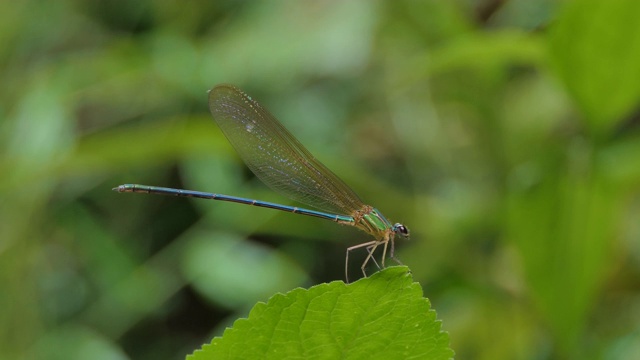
(380, 317)
(563, 228)
(595, 47)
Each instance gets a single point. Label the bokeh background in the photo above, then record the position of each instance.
(505, 134)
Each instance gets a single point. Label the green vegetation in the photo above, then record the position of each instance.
(505, 135)
(381, 317)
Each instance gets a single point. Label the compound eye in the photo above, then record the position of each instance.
(401, 229)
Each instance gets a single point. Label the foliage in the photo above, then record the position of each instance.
(381, 317)
(503, 134)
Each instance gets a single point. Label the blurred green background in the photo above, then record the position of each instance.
(505, 134)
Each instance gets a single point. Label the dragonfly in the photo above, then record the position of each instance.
(280, 161)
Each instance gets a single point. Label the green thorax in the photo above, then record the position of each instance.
(374, 222)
